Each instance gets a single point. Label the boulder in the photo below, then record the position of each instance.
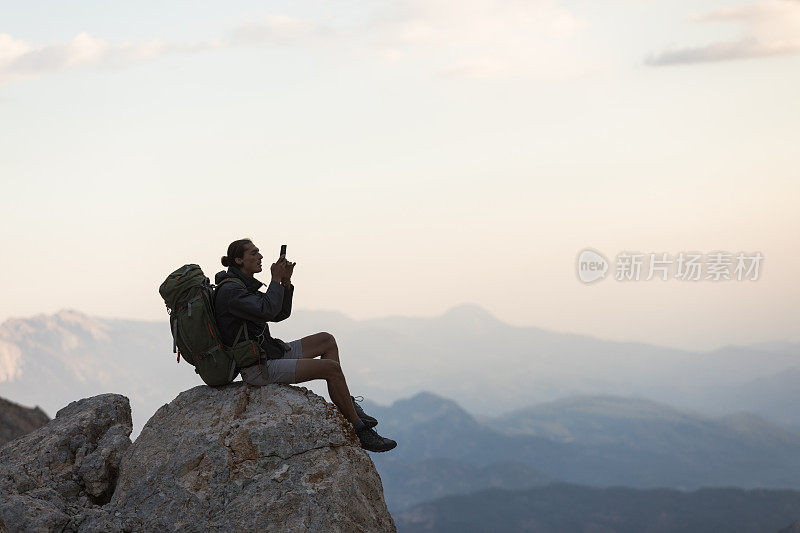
(235, 458)
(68, 466)
(240, 458)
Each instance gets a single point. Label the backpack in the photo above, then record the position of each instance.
(189, 297)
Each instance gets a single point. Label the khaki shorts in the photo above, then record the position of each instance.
(275, 370)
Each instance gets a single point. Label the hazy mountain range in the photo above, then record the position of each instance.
(51, 360)
(528, 408)
(588, 440)
(466, 354)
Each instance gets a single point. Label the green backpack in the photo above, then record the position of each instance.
(189, 297)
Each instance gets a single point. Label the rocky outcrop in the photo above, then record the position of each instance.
(274, 458)
(66, 467)
(16, 420)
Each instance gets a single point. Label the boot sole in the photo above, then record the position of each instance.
(382, 450)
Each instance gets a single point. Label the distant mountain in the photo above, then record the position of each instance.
(671, 447)
(16, 420)
(422, 408)
(775, 396)
(52, 360)
(442, 450)
(775, 346)
(600, 441)
(432, 427)
(491, 367)
(466, 354)
(638, 423)
(559, 508)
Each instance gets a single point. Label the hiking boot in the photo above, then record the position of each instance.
(369, 421)
(371, 441)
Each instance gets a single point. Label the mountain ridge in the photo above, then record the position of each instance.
(487, 366)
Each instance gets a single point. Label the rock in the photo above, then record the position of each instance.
(237, 458)
(274, 458)
(70, 464)
(16, 421)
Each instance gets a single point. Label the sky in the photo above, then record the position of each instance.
(413, 155)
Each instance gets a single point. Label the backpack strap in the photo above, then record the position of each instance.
(231, 278)
(246, 337)
(221, 283)
(243, 327)
(190, 302)
(175, 336)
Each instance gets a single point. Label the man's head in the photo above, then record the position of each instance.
(244, 255)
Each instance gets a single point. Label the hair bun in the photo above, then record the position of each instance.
(225, 261)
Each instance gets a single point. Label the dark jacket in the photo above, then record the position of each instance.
(235, 305)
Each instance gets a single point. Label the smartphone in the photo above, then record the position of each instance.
(283, 250)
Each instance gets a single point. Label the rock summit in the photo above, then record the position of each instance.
(236, 458)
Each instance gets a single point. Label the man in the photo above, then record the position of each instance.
(237, 304)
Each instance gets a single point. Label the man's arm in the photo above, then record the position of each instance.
(286, 304)
(257, 306)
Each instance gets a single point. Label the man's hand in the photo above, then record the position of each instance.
(282, 270)
(286, 280)
(278, 269)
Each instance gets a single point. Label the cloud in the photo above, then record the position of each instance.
(484, 38)
(20, 60)
(455, 38)
(771, 28)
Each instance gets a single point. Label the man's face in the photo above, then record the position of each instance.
(251, 261)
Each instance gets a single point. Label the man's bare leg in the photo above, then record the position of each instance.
(324, 345)
(329, 370)
(320, 345)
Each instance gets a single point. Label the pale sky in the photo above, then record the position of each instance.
(413, 155)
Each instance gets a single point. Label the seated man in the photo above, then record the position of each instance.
(283, 363)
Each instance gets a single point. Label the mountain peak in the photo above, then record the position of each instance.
(71, 315)
(426, 406)
(66, 322)
(427, 398)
